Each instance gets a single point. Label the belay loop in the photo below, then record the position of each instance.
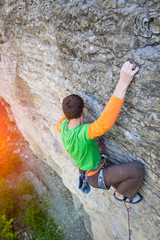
(129, 209)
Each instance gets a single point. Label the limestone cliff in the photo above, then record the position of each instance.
(49, 49)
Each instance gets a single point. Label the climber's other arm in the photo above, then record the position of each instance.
(59, 123)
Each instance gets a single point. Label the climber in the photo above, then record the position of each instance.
(80, 142)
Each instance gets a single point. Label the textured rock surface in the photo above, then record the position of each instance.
(45, 180)
(54, 48)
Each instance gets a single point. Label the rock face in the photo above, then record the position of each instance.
(44, 179)
(49, 49)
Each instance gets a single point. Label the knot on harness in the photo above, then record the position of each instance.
(129, 209)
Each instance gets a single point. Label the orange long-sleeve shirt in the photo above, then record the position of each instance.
(105, 121)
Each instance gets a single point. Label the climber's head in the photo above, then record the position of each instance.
(72, 106)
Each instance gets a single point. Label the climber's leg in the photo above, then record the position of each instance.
(126, 178)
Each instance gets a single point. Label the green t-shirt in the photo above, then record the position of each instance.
(84, 151)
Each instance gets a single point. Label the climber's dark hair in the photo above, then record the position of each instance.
(72, 106)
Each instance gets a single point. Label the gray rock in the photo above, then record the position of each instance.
(54, 48)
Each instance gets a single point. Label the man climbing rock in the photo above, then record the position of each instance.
(80, 142)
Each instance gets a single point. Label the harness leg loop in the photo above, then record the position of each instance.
(101, 182)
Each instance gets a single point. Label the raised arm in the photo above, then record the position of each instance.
(112, 109)
(127, 73)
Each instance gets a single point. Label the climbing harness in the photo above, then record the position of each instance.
(83, 184)
(129, 209)
(101, 182)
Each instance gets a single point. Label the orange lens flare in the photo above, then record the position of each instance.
(3, 132)
(8, 159)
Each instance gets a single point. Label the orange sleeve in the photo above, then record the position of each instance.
(59, 123)
(107, 118)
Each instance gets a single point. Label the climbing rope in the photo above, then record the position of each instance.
(128, 211)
